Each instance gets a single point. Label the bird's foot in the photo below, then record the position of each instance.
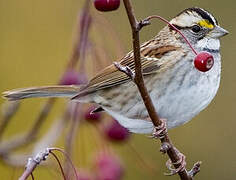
(180, 164)
(160, 131)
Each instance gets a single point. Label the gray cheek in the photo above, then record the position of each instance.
(191, 37)
(208, 44)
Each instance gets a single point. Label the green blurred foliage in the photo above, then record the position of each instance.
(36, 39)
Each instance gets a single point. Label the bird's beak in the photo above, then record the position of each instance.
(218, 32)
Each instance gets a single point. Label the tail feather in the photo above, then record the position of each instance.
(44, 91)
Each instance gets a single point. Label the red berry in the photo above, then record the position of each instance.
(116, 132)
(204, 61)
(92, 117)
(108, 167)
(106, 5)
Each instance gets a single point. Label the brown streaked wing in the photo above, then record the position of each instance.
(111, 76)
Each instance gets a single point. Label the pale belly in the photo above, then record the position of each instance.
(177, 97)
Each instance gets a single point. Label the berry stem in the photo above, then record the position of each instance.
(67, 156)
(59, 163)
(167, 22)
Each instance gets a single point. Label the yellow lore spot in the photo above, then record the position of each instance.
(206, 24)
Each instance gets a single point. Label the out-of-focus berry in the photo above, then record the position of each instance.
(204, 61)
(106, 5)
(116, 132)
(71, 77)
(108, 167)
(92, 117)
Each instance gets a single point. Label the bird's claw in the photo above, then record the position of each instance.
(160, 131)
(181, 167)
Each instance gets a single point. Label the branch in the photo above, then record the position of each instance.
(26, 138)
(33, 162)
(47, 140)
(70, 138)
(138, 79)
(9, 110)
(167, 145)
(42, 156)
(80, 45)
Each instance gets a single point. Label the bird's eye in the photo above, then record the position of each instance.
(196, 28)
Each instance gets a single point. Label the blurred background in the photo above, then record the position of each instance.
(36, 42)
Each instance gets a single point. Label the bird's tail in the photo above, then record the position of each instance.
(44, 91)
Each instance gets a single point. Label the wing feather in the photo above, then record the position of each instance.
(151, 60)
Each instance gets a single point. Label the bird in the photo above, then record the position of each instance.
(178, 90)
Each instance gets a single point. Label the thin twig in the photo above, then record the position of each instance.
(32, 176)
(68, 157)
(42, 156)
(20, 140)
(79, 53)
(48, 139)
(82, 39)
(104, 27)
(147, 21)
(9, 110)
(71, 135)
(138, 79)
(30, 136)
(59, 163)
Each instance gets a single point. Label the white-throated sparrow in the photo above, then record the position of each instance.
(178, 90)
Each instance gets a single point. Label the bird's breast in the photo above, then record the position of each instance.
(184, 91)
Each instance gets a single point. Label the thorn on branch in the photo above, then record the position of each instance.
(33, 162)
(195, 169)
(142, 23)
(41, 156)
(165, 146)
(125, 69)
